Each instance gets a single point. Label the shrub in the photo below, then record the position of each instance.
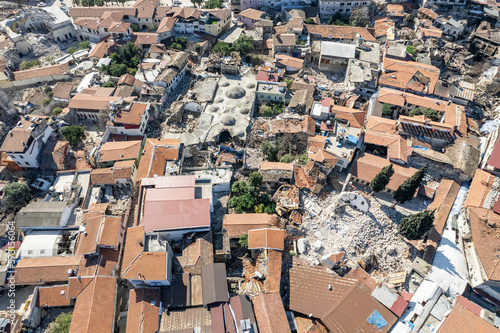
(134, 27)
(287, 158)
(243, 241)
(256, 179)
(62, 323)
(109, 84)
(30, 64)
(46, 101)
(56, 111)
(176, 46)
(84, 45)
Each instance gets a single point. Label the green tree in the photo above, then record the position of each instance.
(243, 45)
(71, 50)
(62, 323)
(380, 181)
(415, 226)
(270, 150)
(197, 3)
(134, 27)
(239, 187)
(109, 84)
(299, 42)
(287, 158)
(27, 64)
(289, 83)
(428, 112)
(182, 41)
(410, 18)
(197, 48)
(309, 20)
(153, 27)
(410, 49)
(56, 111)
(17, 193)
(221, 47)
(256, 179)
(242, 202)
(74, 134)
(212, 4)
(76, 3)
(386, 109)
(84, 45)
(243, 241)
(336, 19)
(407, 189)
(46, 101)
(176, 46)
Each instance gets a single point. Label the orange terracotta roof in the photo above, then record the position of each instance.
(90, 23)
(52, 296)
(380, 124)
(133, 115)
(431, 32)
(479, 188)
(356, 118)
(399, 98)
(462, 320)
(134, 245)
(251, 13)
(60, 69)
(45, 269)
(155, 155)
(395, 10)
(147, 264)
(119, 150)
(77, 284)
(269, 166)
(95, 307)
(317, 141)
(143, 310)
(237, 225)
(485, 227)
(409, 75)
(266, 239)
(166, 24)
(270, 313)
(337, 32)
(367, 166)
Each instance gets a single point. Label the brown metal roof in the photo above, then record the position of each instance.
(214, 283)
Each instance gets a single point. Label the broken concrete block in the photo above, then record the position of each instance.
(327, 262)
(302, 244)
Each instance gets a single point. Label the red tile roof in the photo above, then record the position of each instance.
(270, 313)
(143, 310)
(338, 32)
(95, 307)
(461, 320)
(52, 296)
(266, 239)
(410, 75)
(237, 225)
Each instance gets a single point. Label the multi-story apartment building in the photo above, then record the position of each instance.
(25, 141)
(328, 8)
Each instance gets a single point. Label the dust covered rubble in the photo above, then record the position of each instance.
(358, 234)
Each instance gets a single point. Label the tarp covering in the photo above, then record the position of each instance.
(377, 320)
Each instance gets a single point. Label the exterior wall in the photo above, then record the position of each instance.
(189, 27)
(85, 33)
(63, 31)
(328, 8)
(249, 23)
(87, 114)
(175, 235)
(165, 35)
(29, 159)
(33, 81)
(269, 96)
(445, 2)
(333, 63)
(217, 28)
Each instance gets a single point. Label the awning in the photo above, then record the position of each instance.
(352, 138)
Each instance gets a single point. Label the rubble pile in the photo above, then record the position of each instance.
(359, 235)
(42, 46)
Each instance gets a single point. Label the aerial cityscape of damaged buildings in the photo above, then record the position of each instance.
(249, 166)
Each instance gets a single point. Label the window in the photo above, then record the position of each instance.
(21, 156)
(27, 163)
(42, 251)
